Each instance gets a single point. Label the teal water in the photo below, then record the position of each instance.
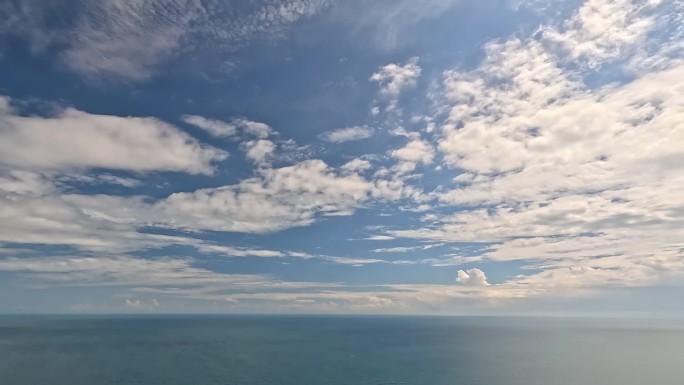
(339, 350)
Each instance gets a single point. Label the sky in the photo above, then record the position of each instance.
(323, 156)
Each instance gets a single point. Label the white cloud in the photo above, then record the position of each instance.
(391, 184)
(400, 249)
(276, 199)
(22, 183)
(259, 150)
(417, 151)
(299, 254)
(380, 238)
(217, 128)
(35, 210)
(581, 183)
(258, 129)
(406, 249)
(403, 168)
(356, 165)
(135, 303)
(138, 279)
(347, 134)
(394, 78)
(74, 140)
(221, 129)
(354, 261)
(472, 277)
(602, 30)
(34, 214)
(400, 131)
(231, 251)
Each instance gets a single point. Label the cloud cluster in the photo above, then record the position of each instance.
(36, 211)
(276, 199)
(599, 31)
(577, 181)
(580, 182)
(44, 156)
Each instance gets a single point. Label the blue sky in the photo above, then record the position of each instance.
(433, 157)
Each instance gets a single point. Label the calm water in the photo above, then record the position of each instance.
(339, 350)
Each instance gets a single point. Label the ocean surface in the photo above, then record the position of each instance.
(294, 350)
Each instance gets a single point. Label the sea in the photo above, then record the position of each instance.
(349, 350)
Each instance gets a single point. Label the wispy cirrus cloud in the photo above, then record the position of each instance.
(111, 40)
(217, 128)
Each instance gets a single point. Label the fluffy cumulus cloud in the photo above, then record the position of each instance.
(394, 78)
(249, 127)
(472, 277)
(259, 150)
(417, 151)
(346, 134)
(356, 165)
(74, 139)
